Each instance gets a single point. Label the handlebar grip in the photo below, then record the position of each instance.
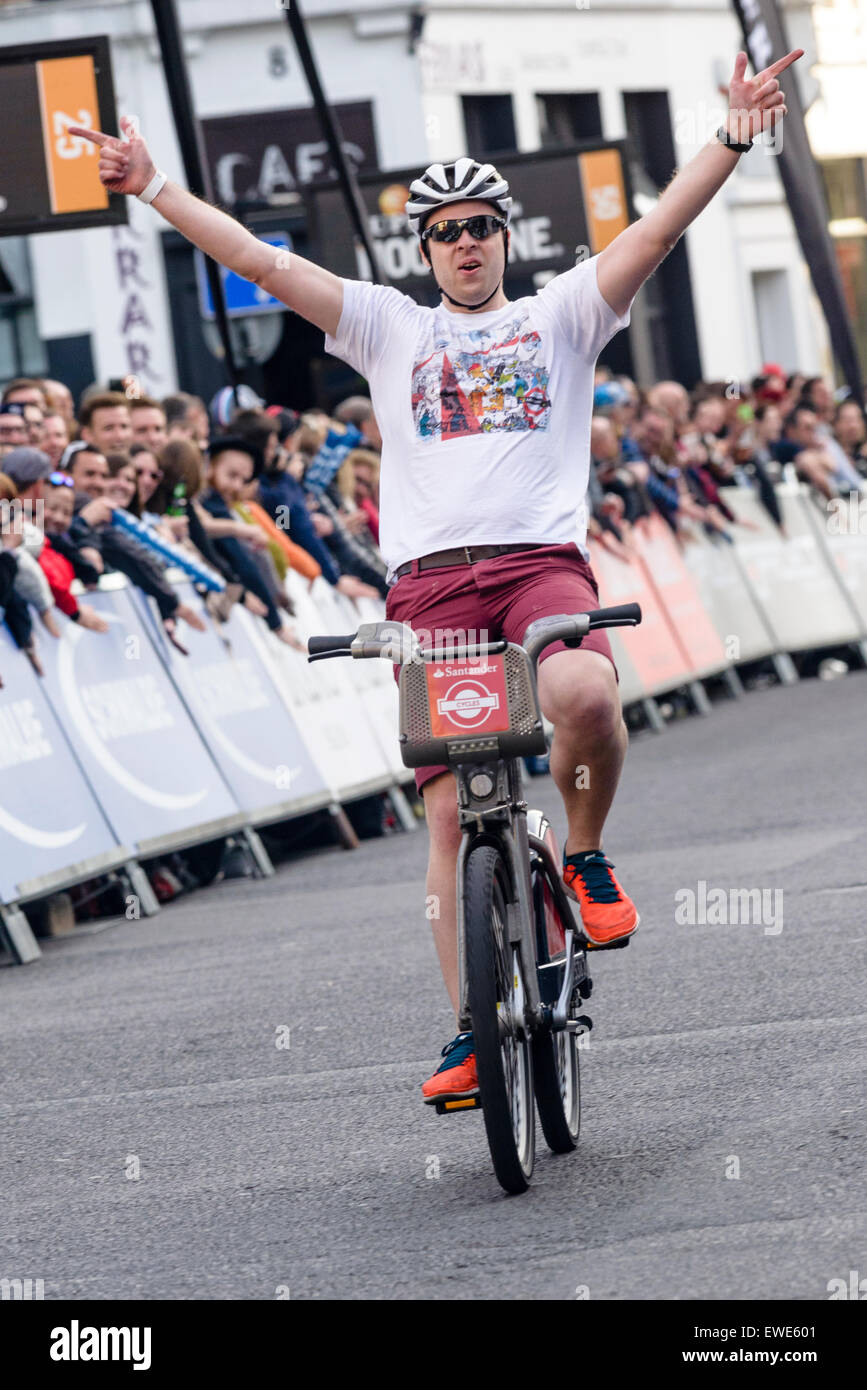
(621, 615)
(329, 644)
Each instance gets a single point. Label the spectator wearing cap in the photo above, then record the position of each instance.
(27, 468)
(613, 400)
(104, 422)
(232, 465)
(148, 421)
(358, 411)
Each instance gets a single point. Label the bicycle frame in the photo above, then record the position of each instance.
(503, 823)
(500, 817)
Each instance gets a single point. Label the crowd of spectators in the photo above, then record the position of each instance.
(241, 492)
(247, 491)
(676, 452)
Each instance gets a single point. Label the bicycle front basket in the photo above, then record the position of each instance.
(469, 711)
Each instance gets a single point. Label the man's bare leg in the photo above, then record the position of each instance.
(578, 694)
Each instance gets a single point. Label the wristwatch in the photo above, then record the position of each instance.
(725, 139)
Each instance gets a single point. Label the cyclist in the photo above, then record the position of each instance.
(484, 407)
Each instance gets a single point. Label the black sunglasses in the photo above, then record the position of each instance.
(479, 227)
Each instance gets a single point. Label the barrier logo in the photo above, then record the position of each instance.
(468, 698)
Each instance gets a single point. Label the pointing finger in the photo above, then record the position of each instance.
(740, 65)
(96, 137)
(781, 64)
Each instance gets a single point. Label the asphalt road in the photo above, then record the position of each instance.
(150, 1048)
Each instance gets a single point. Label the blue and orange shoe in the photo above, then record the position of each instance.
(455, 1078)
(606, 912)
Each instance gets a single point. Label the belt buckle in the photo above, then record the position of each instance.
(470, 560)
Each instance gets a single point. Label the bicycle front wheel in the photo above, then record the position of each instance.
(503, 1058)
(556, 1070)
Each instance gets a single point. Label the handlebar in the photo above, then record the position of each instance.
(399, 643)
(329, 645)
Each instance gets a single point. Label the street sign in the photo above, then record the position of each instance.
(49, 180)
(242, 296)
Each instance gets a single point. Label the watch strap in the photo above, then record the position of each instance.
(725, 139)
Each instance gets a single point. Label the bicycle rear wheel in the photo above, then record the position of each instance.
(504, 1060)
(556, 1071)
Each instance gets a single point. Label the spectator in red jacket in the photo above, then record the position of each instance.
(58, 492)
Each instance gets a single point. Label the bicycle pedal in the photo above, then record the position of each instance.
(582, 1024)
(607, 945)
(445, 1107)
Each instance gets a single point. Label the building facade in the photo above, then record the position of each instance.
(411, 82)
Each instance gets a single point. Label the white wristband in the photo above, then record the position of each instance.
(155, 186)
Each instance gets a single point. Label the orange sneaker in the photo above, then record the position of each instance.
(455, 1078)
(606, 912)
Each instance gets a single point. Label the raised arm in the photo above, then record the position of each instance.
(125, 166)
(754, 105)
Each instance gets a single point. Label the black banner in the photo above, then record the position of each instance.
(766, 41)
(261, 156)
(549, 226)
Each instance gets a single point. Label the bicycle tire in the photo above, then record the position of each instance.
(556, 1063)
(505, 1064)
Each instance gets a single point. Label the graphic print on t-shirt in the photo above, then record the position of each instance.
(478, 380)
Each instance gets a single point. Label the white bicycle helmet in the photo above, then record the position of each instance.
(441, 184)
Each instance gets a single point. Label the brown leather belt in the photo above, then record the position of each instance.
(464, 555)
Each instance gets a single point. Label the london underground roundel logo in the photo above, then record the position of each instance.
(468, 703)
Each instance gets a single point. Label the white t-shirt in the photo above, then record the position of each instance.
(485, 418)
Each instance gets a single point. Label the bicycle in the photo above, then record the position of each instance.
(522, 957)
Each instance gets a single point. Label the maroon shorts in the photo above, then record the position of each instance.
(500, 596)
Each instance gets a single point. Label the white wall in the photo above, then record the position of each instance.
(362, 52)
(611, 47)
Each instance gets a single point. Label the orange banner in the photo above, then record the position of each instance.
(67, 96)
(604, 196)
(678, 592)
(652, 647)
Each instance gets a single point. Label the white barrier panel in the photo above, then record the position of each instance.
(841, 529)
(657, 658)
(152, 774)
(240, 714)
(791, 577)
(373, 679)
(329, 716)
(725, 595)
(49, 819)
